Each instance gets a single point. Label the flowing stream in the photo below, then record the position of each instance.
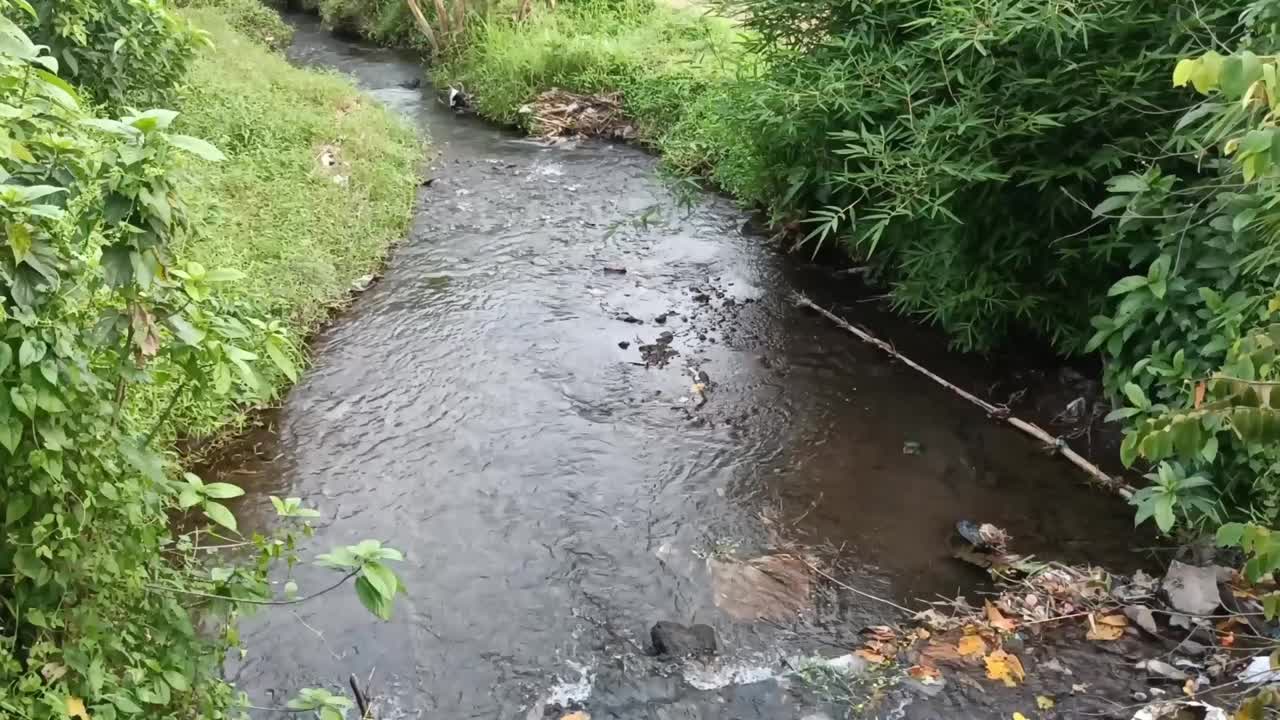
(486, 408)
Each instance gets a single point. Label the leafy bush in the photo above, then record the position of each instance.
(120, 52)
(251, 18)
(961, 145)
(660, 59)
(96, 306)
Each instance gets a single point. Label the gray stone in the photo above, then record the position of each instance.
(678, 640)
(1191, 589)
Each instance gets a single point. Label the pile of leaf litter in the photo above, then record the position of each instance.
(1057, 641)
(560, 113)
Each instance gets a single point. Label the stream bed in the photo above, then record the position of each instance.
(511, 405)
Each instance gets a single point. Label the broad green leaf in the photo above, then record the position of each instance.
(1230, 534)
(1164, 512)
(196, 146)
(24, 399)
(1127, 284)
(17, 508)
(31, 351)
(1206, 74)
(219, 513)
(280, 357)
(26, 562)
(6, 356)
(222, 491)
(155, 119)
(1182, 72)
(20, 240)
(10, 433)
(1136, 396)
(188, 498)
(1209, 451)
(380, 577)
(374, 601)
(1127, 184)
(176, 680)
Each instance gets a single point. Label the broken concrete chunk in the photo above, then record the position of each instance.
(1191, 589)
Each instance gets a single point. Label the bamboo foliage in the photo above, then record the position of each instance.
(448, 22)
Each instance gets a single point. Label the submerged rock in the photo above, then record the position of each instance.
(776, 587)
(676, 640)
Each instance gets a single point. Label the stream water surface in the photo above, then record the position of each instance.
(485, 407)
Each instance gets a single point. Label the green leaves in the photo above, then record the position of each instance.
(195, 146)
(377, 585)
(197, 492)
(323, 704)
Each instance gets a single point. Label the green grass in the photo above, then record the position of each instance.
(659, 57)
(300, 238)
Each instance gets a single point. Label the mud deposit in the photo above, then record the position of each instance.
(566, 395)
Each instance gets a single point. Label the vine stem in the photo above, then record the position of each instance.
(295, 601)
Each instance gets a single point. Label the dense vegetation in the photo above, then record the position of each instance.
(140, 292)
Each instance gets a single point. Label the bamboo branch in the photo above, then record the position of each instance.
(1056, 444)
(423, 25)
(442, 17)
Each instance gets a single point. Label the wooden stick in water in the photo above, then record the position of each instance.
(1056, 444)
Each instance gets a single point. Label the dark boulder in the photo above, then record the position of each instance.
(678, 640)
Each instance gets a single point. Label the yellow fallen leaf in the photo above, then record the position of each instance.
(1019, 716)
(1103, 631)
(1005, 667)
(76, 709)
(1114, 620)
(1044, 702)
(579, 715)
(971, 645)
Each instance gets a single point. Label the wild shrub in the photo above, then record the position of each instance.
(119, 52)
(960, 146)
(97, 587)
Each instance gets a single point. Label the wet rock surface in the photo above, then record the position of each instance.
(489, 407)
(676, 640)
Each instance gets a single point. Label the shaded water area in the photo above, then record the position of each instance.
(486, 408)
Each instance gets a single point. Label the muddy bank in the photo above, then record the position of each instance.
(566, 396)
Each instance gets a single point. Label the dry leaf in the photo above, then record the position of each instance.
(881, 632)
(1116, 620)
(998, 621)
(76, 709)
(869, 656)
(579, 715)
(1189, 687)
(1104, 631)
(1044, 702)
(1005, 667)
(922, 633)
(971, 645)
(925, 674)
(52, 672)
(1199, 394)
(1080, 687)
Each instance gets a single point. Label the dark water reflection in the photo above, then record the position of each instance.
(553, 496)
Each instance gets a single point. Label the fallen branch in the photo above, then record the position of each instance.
(1056, 444)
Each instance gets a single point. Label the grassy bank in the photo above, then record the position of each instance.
(300, 233)
(663, 60)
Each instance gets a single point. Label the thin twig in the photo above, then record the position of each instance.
(247, 601)
(1035, 431)
(852, 589)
